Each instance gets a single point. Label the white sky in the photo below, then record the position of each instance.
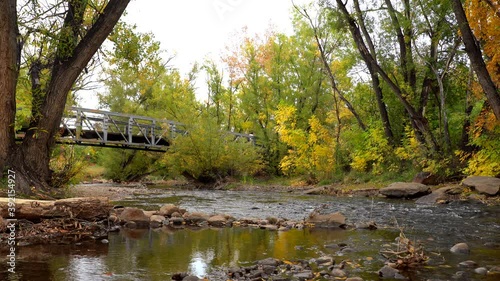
(194, 30)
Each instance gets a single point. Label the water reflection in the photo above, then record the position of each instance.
(150, 254)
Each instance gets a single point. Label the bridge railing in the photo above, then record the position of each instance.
(98, 127)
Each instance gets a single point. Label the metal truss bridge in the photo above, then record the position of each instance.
(90, 127)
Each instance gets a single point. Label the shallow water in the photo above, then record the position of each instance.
(157, 254)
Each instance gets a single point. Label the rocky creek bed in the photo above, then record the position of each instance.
(323, 237)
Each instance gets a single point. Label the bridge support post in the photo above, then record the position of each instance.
(105, 125)
(78, 125)
(129, 129)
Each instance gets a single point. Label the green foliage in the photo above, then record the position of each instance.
(129, 165)
(208, 154)
(486, 160)
(374, 153)
(66, 163)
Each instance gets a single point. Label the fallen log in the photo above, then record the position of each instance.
(86, 208)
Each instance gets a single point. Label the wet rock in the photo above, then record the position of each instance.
(439, 195)
(268, 269)
(149, 213)
(481, 270)
(425, 178)
(133, 214)
(257, 274)
(328, 220)
(104, 241)
(306, 275)
(325, 261)
(354, 279)
(338, 273)
(388, 272)
(270, 262)
(134, 218)
(157, 218)
(460, 248)
(217, 221)
(371, 225)
(168, 210)
(269, 227)
(461, 275)
(176, 215)
(468, 264)
(179, 276)
(195, 218)
(484, 185)
(176, 221)
(191, 278)
(113, 218)
(405, 190)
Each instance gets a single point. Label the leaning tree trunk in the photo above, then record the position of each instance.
(8, 77)
(476, 58)
(31, 159)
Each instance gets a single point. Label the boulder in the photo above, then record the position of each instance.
(168, 210)
(405, 190)
(460, 248)
(217, 221)
(327, 220)
(438, 195)
(134, 215)
(485, 185)
(354, 279)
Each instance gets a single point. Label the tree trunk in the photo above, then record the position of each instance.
(31, 159)
(330, 75)
(419, 122)
(384, 116)
(8, 77)
(474, 52)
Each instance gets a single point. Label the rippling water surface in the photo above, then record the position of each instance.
(157, 254)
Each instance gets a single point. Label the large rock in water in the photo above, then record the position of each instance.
(485, 185)
(405, 190)
(440, 194)
(328, 220)
(134, 215)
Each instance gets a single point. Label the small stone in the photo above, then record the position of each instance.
(338, 273)
(190, 278)
(306, 275)
(325, 260)
(388, 272)
(157, 218)
(176, 220)
(269, 227)
(460, 248)
(217, 221)
(176, 215)
(269, 261)
(354, 279)
(468, 264)
(268, 269)
(481, 270)
(168, 209)
(104, 241)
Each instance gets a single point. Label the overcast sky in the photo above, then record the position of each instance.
(197, 29)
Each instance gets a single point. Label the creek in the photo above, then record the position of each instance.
(156, 254)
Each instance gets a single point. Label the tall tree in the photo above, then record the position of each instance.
(473, 49)
(74, 43)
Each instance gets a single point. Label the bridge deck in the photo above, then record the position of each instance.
(82, 126)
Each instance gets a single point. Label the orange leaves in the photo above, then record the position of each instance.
(484, 20)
